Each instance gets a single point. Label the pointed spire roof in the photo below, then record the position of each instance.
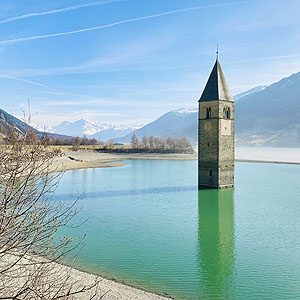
(216, 87)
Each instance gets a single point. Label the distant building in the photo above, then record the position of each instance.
(216, 133)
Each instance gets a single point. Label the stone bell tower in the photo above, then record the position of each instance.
(216, 133)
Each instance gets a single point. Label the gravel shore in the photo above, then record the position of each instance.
(71, 160)
(111, 289)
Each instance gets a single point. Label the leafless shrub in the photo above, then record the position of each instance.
(76, 143)
(29, 223)
(155, 143)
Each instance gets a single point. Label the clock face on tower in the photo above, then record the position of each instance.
(207, 126)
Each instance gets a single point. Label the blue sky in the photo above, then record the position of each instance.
(131, 61)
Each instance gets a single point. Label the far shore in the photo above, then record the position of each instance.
(73, 160)
(268, 162)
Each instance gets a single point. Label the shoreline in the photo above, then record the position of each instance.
(70, 160)
(116, 289)
(268, 161)
(75, 279)
(112, 288)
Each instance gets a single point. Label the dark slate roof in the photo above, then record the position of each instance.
(216, 87)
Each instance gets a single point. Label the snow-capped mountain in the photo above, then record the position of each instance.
(249, 92)
(185, 111)
(99, 131)
(114, 132)
(79, 128)
(180, 123)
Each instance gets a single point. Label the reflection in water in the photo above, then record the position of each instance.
(216, 244)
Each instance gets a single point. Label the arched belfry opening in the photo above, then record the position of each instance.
(216, 133)
(208, 112)
(226, 113)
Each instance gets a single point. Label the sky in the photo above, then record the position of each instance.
(131, 61)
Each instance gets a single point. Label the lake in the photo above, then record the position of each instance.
(148, 225)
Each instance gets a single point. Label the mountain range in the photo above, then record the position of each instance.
(7, 120)
(180, 123)
(249, 92)
(264, 116)
(96, 130)
(270, 117)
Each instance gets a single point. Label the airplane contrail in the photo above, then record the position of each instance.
(25, 80)
(19, 40)
(55, 11)
(265, 58)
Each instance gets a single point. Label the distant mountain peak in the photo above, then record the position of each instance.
(249, 92)
(98, 130)
(185, 110)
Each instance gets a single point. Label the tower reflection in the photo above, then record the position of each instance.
(216, 258)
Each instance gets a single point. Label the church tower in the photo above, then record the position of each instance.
(216, 133)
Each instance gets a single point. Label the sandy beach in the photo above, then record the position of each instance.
(71, 160)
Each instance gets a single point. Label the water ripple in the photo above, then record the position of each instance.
(124, 193)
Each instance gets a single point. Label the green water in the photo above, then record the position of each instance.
(150, 227)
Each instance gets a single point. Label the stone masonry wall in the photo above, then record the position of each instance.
(216, 145)
(226, 148)
(208, 145)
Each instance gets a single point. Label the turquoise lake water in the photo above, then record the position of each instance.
(148, 225)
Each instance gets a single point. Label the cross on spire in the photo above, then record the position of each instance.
(217, 52)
